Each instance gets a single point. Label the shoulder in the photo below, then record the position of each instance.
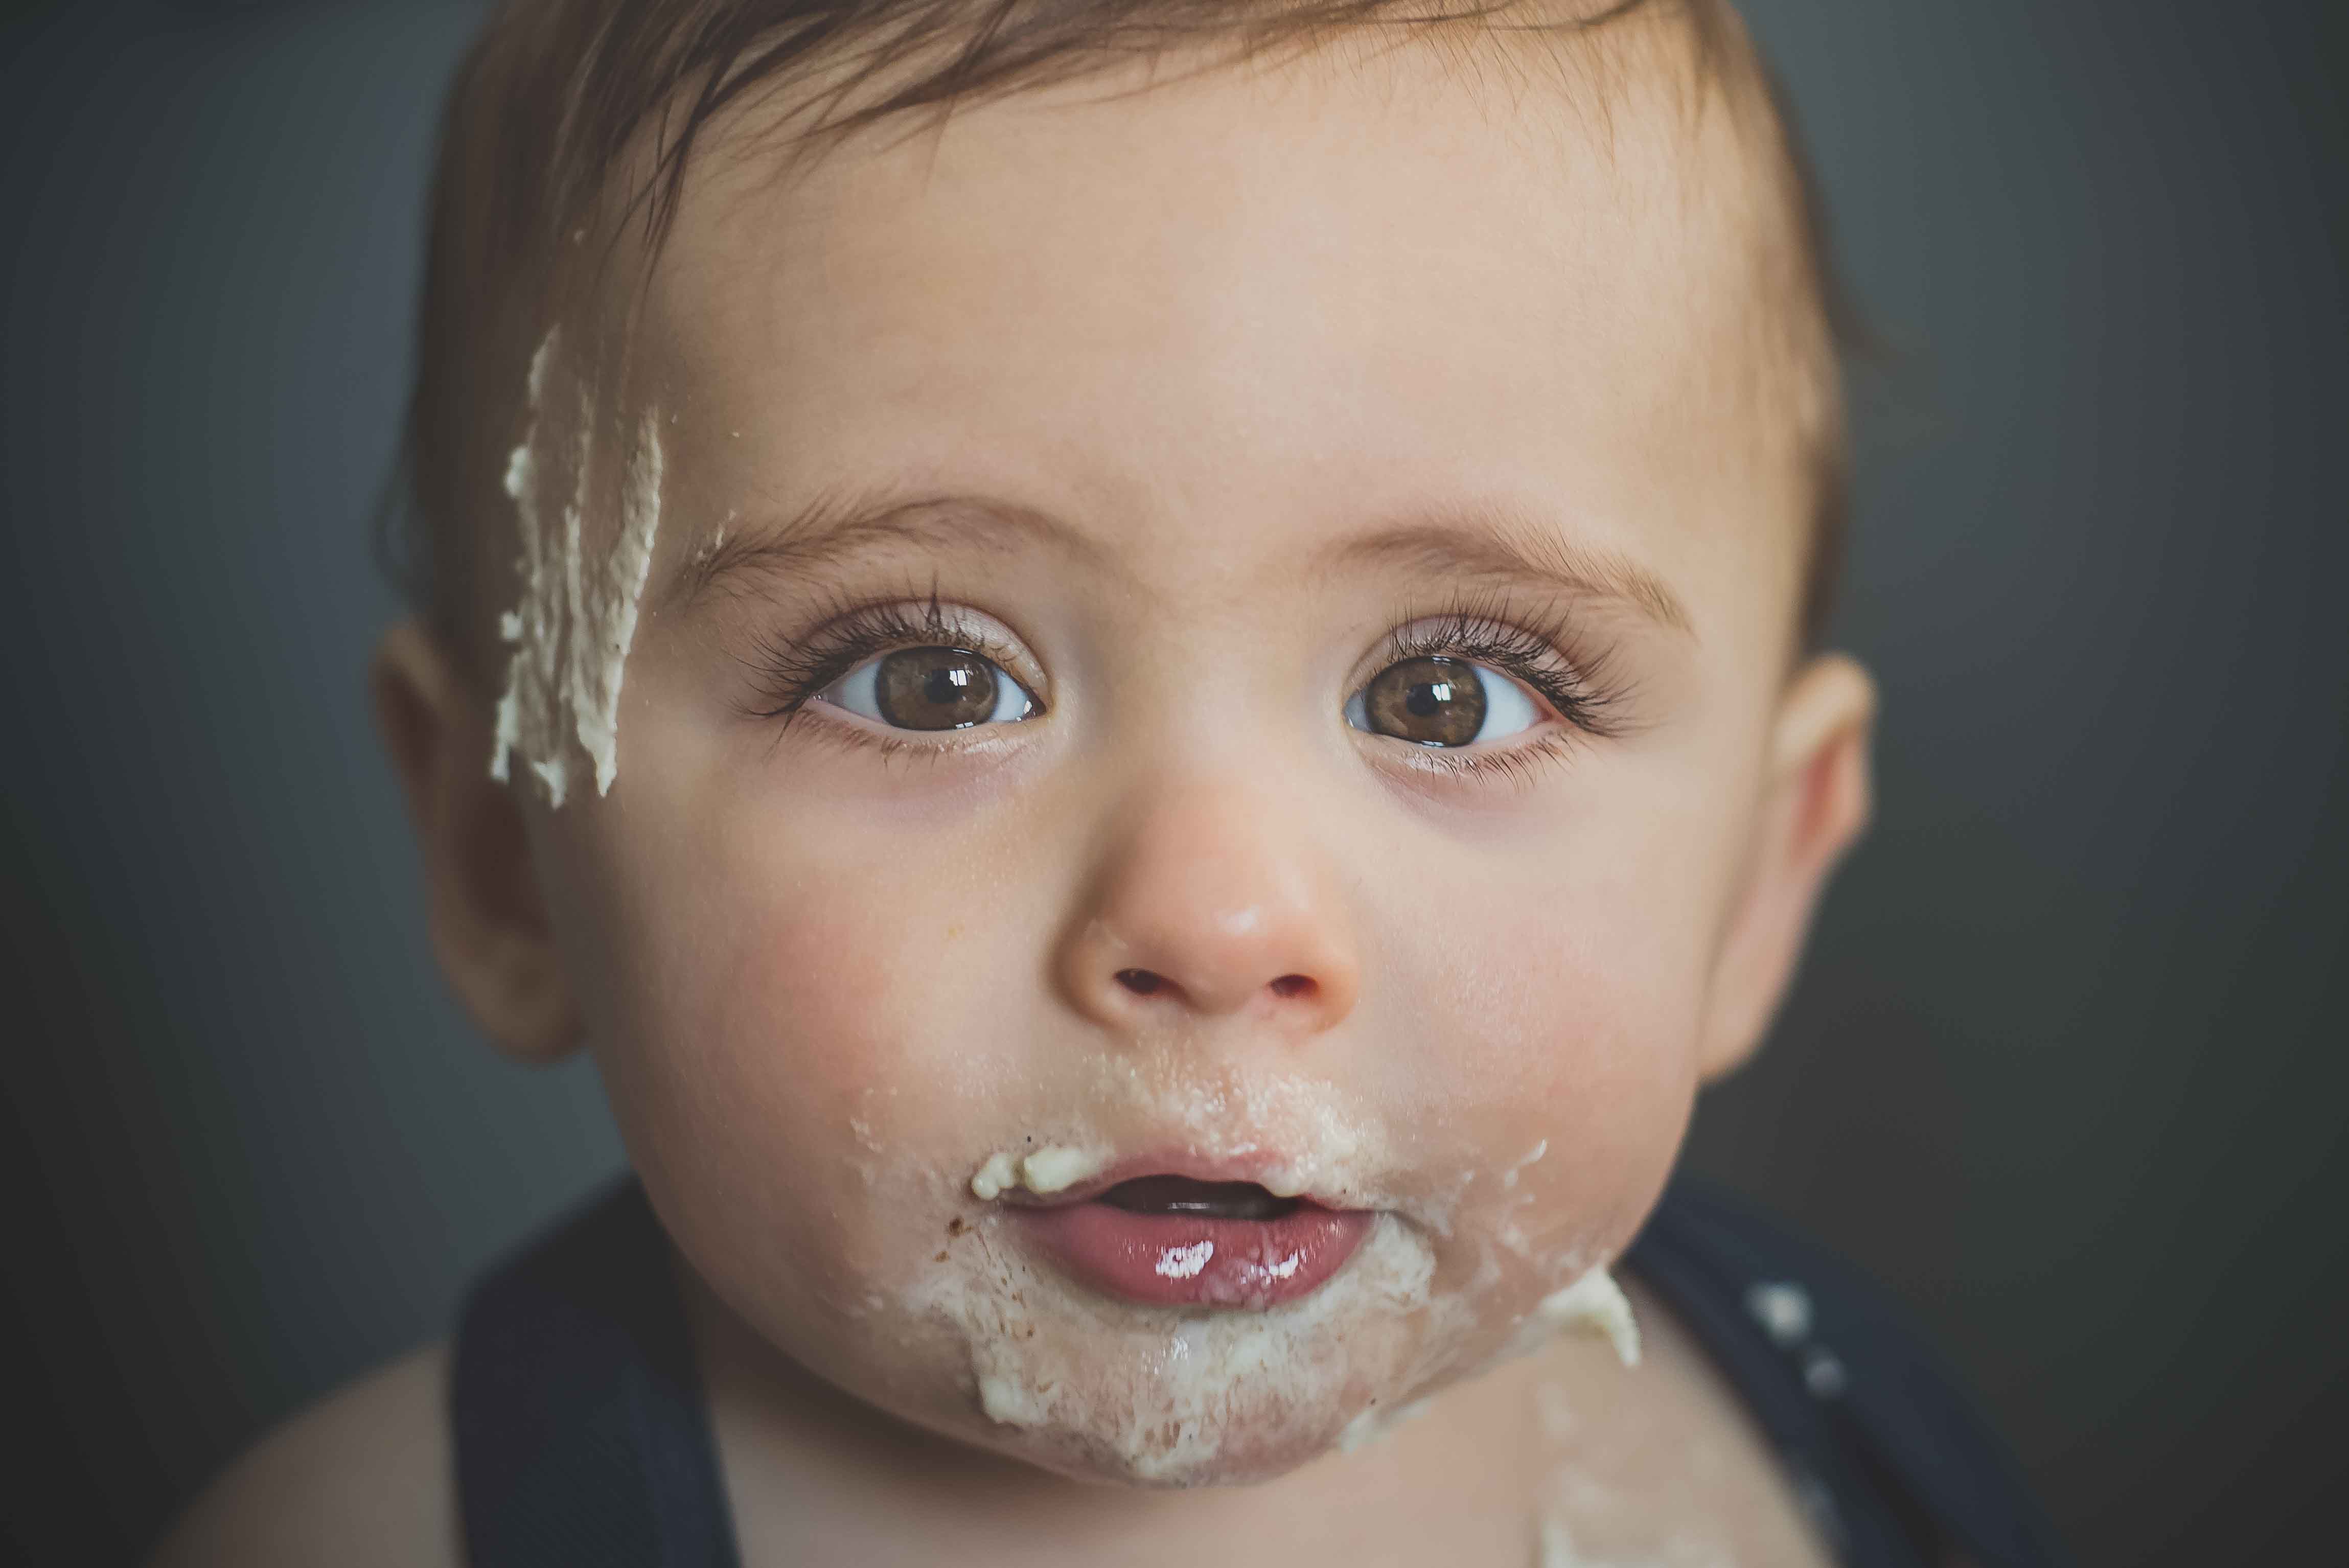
(1846, 1386)
(1660, 1461)
(363, 1477)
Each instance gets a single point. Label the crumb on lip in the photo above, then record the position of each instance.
(1048, 1169)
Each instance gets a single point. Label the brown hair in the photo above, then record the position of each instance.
(555, 95)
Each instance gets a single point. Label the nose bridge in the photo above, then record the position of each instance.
(1208, 898)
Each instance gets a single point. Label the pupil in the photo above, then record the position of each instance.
(1425, 697)
(1428, 701)
(935, 688)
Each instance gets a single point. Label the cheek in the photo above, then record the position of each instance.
(1559, 997)
(780, 1026)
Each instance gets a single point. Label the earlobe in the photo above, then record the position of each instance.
(487, 912)
(1816, 801)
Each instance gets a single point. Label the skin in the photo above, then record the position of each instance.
(1223, 333)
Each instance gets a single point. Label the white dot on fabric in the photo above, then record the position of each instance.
(1783, 1308)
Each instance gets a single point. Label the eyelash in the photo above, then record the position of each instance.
(1492, 631)
(794, 672)
(1488, 632)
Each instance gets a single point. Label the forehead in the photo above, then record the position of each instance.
(1250, 304)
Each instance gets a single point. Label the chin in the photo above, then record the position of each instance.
(1153, 1397)
(1181, 1460)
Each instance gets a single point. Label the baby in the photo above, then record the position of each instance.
(1146, 676)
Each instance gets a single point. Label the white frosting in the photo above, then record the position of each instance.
(1595, 1303)
(1178, 1396)
(1191, 1396)
(583, 581)
(1052, 1169)
(1048, 1169)
(604, 629)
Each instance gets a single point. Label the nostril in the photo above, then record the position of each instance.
(1295, 985)
(1141, 982)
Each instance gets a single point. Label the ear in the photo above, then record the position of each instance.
(487, 912)
(1817, 799)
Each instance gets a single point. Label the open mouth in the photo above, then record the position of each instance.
(1169, 1240)
(1211, 1200)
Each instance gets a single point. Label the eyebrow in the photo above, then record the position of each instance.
(838, 526)
(1487, 544)
(1498, 546)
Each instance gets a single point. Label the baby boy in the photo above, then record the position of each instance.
(1144, 673)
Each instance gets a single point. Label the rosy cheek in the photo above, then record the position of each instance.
(758, 1068)
(1552, 987)
(818, 996)
(1566, 1033)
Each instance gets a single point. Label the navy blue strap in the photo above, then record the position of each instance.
(581, 1437)
(583, 1440)
(1886, 1453)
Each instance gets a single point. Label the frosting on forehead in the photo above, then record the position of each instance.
(583, 571)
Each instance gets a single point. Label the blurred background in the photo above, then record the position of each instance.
(2067, 1066)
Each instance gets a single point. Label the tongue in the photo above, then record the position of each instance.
(1182, 1195)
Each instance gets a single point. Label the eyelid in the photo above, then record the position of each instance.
(1474, 638)
(991, 640)
(793, 671)
(1519, 765)
(1530, 646)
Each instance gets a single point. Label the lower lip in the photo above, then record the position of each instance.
(1192, 1260)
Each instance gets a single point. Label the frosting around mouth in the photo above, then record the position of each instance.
(1453, 1276)
(1167, 1397)
(1050, 1169)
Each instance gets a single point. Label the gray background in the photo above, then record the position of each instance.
(2066, 1067)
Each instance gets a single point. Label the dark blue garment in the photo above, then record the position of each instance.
(1887, 1454)
(582, 1441)
(580, 1435)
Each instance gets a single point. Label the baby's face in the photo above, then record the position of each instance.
(1316, 733)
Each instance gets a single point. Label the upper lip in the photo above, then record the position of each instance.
(1251, 1168)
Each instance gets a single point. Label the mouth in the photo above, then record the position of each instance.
(1165, 1239)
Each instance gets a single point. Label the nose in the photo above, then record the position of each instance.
(1208, 904)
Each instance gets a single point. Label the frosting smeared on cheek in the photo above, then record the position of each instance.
(582, 579)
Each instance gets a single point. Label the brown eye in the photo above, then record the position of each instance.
(1439, 701)
(1430, 702)
(935, 688)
